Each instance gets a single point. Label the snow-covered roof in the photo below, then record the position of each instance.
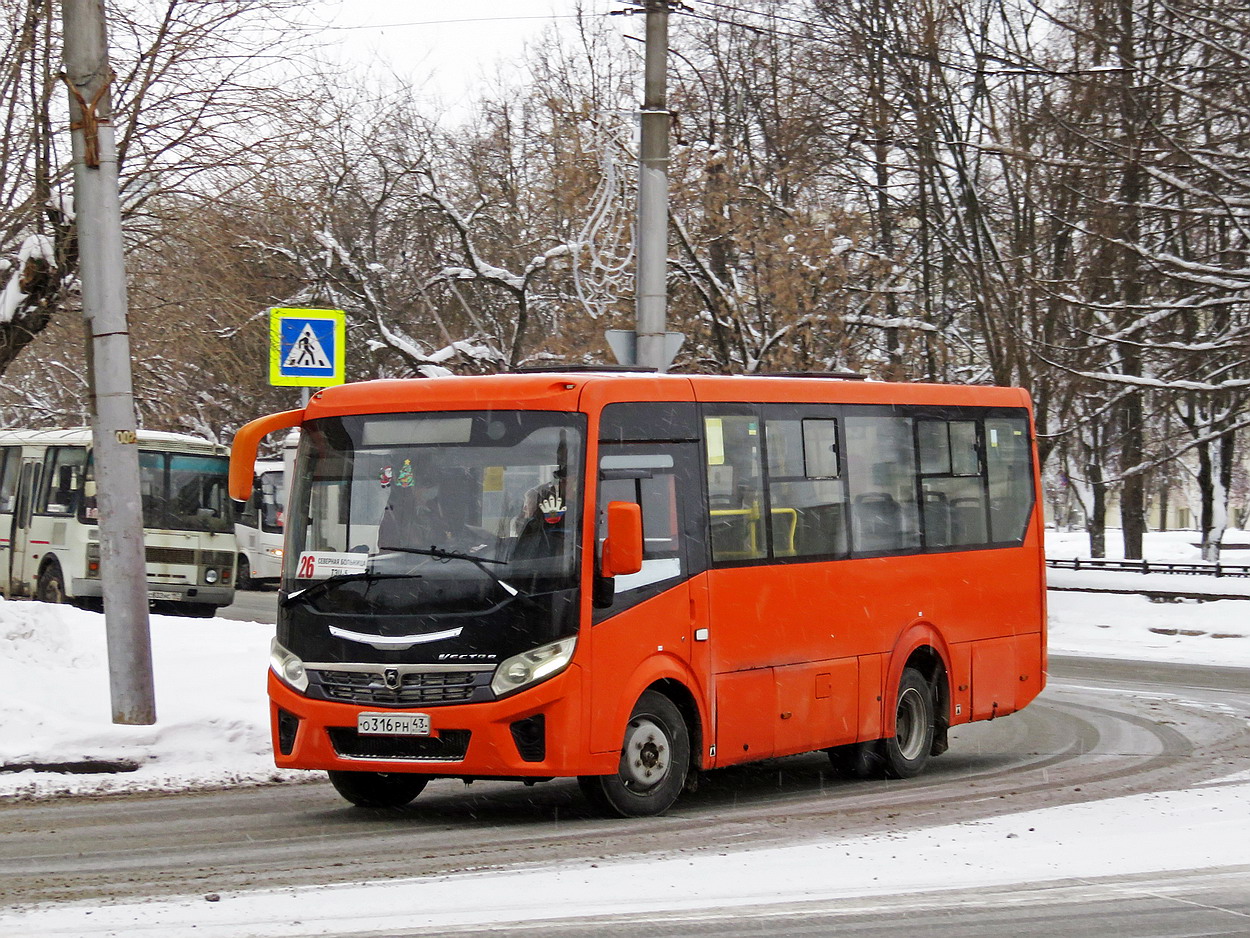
(81, 436)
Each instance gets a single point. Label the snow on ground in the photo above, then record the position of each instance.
(212, 716)
(54, 667)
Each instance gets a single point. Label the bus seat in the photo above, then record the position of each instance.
(876, 519)
(967, 521)
(821, 530)
(937, 520)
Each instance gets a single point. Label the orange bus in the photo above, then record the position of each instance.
(630, 577)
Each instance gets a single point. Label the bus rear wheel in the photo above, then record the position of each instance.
(377, 789)
(655, 759)
(51, 585)
(906, 753)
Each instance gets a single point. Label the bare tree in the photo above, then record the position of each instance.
(198, 109)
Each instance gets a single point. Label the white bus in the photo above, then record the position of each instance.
(258, 527)
(49, 534)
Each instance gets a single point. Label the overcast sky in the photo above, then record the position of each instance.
(448, 48)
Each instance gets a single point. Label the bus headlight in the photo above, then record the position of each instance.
(210, 576)
(288, 667)
(530, 667)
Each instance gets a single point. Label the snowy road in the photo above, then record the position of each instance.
(1103, 729)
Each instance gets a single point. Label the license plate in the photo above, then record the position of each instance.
(163, 594)
(393, 724)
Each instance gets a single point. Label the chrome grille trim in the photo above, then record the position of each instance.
(413, 686)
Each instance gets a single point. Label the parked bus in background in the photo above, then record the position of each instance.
(631, 578)
(49, 532)
(258, 527)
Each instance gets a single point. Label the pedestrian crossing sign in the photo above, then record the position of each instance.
(306, 347)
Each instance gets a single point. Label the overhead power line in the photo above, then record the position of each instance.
(454, 22)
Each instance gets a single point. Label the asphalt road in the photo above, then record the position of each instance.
(1102, 729)
(252, 606)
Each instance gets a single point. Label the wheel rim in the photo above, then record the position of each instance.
(647, 755)
(52, 591)
(910, 723)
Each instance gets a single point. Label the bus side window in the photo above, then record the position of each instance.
(647, 479)
(10, 463)
(1008, 458)
(735, 487)
(953, 484)
(249, 514)
(881, 470)
(807, 500)
(63, 474)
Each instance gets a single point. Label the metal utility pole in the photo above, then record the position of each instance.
(114, 427)
(648, 344)
(652, 290)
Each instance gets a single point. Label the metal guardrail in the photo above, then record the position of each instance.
(1152, 566)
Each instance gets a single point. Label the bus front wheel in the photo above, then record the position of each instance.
(243, 575)
(655, 758)
(51, 585)
(377, 789)
(906, 753)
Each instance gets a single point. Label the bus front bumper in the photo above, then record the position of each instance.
(536, 733)
(209, 595)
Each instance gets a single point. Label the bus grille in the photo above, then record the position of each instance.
(448, 746)
(188, 556)
(416, 688)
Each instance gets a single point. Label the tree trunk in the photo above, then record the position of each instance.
(1097, 520)
(1215, 477)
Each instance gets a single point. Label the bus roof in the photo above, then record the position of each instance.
(81, 436)
(587, 390)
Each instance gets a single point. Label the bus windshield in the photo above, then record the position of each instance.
(183, 492)
(435, 513)
(179, 492)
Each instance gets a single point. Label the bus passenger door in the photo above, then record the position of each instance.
(21, 566)
(653, 623)
(10, 471)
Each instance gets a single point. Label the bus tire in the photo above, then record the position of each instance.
(377, 789)
(51, 585)
(243, 574)
(906, 753)
(655, 760)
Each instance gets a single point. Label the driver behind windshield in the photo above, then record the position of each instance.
(429, 506)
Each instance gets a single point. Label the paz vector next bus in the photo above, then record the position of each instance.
(629, 577)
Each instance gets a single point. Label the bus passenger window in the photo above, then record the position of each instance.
(881, 471)
(63, 475)
(806, 494)
(10, 465)
(954, 490)
(1008, 458)
(735, 488)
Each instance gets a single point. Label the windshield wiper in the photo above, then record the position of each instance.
(322, 586)
(440, 553)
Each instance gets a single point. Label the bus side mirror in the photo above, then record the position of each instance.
(243, 449)
(622, 548)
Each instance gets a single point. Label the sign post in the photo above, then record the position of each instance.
(306, 347)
